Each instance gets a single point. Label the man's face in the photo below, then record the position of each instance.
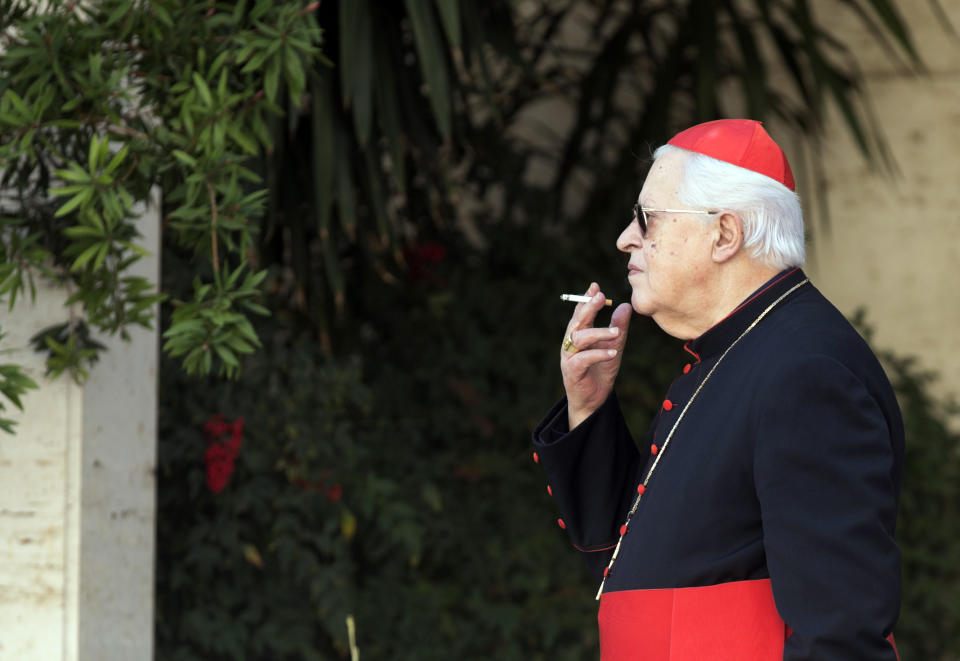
(669, 267)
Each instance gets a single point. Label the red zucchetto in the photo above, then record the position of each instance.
(742, 142)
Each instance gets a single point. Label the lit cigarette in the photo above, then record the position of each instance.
(576, 298)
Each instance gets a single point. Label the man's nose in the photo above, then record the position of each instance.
(630, 238)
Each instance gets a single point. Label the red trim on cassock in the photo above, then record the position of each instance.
(686, 347)
(735, 621)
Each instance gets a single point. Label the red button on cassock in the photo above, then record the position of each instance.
(623, 530)
(667, 405)
(686, 368)
(653, 448)
(606, 572)
(641, 489)
(536, 459)
(561, 523)
(549, 490)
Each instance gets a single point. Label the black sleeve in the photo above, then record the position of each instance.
(592, 473)
(823, 466)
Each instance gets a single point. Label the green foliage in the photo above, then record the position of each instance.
(928, 528)
(70, 348)
(458, 126)
(262, 569)
(215, 324)
(100, 103)
(929, 525)
(13, 384)
(442, 545)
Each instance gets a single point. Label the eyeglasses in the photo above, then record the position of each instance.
(640, 215)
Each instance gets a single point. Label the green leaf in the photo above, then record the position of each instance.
(356, 59)
(183, 327)
(74, 202)
(271, 79)
(433, 61)
(18, 103)
(346, 200)
(185, 158)
(256, 308)
(296, 80)
(122, 9)
(887, 12)
(201, 86)
(117, 159)
(162, 14)
(449, 11)
(93, 154)
(82, 231)
(388, 104)
(324, 164)
(86, 256)
(238, 135)
(74, 173)
(68, 190)
(753, 75)
(226, 355)
(101, 255)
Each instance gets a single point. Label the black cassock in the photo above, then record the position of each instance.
(766, 530)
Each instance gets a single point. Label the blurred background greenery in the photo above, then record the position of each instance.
(435, 175)
(427, 205)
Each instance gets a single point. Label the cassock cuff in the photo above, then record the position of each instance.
(555, 425)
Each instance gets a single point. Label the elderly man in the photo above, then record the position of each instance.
(756, 522)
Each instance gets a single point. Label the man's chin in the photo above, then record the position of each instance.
(641, 305)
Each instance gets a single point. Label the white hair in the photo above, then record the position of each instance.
(771, 214)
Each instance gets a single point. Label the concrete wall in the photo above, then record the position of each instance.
(77, 495)
(40, 503)
(893, 246)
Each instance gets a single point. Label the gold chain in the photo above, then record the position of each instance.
(659, 455)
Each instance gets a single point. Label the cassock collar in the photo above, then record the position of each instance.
(724, 332)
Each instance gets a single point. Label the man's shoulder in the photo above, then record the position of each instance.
(809, 324)
(808, 333)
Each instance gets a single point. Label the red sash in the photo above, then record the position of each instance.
(727, 622)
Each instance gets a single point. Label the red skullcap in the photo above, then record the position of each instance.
(742, 142)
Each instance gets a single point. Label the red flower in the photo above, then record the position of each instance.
(422, 259)
(221, 453)
(335, 492)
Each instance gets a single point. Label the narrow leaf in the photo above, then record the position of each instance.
(887, 12)
(185, 158)
(74, 202)
(203, 89)
(449, 11)
(324, 164)
(433, 61)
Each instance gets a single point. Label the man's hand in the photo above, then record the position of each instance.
(590, 370)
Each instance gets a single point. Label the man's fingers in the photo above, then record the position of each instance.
(621, 318)
(585, 313)
(584, 360)
(586, 338)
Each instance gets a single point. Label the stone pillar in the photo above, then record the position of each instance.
(78, 493)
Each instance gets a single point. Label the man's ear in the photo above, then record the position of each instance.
(729, 237)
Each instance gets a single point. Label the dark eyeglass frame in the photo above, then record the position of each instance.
(640, 214)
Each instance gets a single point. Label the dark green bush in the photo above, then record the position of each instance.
(443, 544)
(928, 528)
